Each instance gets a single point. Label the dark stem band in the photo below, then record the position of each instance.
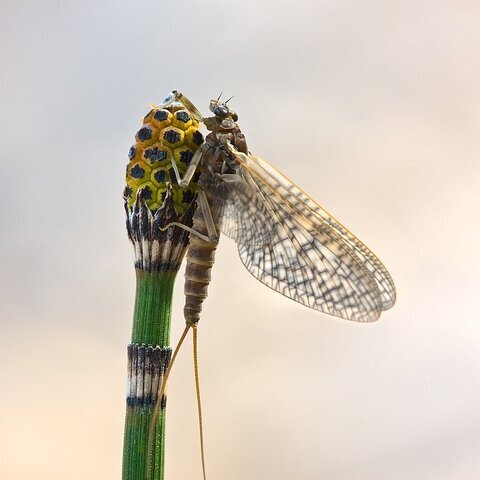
(157, 249)
(146, 368)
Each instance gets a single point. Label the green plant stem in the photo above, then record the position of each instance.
(151, 326)
(153, 308)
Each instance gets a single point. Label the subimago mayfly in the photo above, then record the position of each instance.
(285, 239)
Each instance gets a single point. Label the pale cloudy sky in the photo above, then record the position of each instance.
(373, 107)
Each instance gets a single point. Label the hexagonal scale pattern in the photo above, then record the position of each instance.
(167, 135)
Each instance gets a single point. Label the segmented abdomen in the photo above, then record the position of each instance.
(200, 258)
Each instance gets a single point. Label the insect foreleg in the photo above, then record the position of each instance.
(179, 97)
(202, 204)
(192, 167)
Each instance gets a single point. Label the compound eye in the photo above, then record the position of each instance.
(212, 105)
(221, 111)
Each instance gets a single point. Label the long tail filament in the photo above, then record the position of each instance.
(156, 411)
(199, 403)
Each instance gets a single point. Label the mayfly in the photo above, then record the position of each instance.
(285, 239)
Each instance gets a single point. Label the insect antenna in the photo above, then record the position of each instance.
(226, 101)
(162, 388)
(218, 99)
(199, 403)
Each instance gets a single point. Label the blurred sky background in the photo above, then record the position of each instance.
(373, 107)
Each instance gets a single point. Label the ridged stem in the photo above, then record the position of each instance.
(153, 307)
(151, 328)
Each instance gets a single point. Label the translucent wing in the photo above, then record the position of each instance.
(312, 258)
(239, 210)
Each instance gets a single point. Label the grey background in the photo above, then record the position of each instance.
(372, 107)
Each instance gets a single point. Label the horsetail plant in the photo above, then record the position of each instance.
(166, 142)
(285, 239)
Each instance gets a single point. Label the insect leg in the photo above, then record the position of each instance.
(176, 96)
(205, 238)
(207, 216)
(185, 181)
(204, 207)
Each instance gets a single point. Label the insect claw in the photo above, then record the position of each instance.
(170, 99)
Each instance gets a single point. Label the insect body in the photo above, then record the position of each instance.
(216, 160)
(285, 239)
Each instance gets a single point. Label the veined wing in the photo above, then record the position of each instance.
(313, 259)
(239, 211)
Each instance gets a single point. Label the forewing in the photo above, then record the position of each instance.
(239, 210)
(313, 259)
